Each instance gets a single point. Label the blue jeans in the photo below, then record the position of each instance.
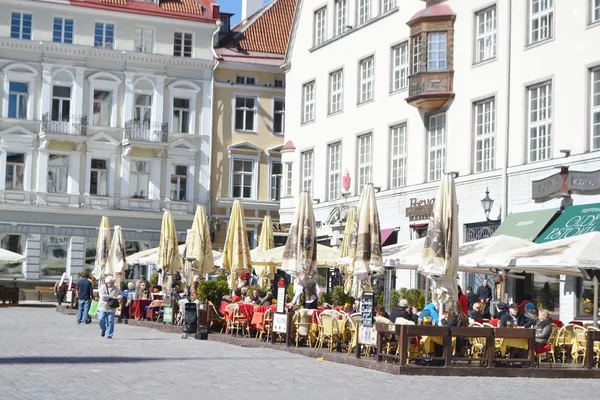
(82, 311)
(106, 320)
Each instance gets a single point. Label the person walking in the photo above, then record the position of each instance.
(110, 296)
(85, 293)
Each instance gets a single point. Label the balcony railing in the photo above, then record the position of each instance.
(75, 125)
(156, 132)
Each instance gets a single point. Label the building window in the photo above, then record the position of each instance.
(365, 160)
(12, 243)
(139, 179)
(243, 178)
(143, 40)
(54, 255)
(486, 34)
(320, 26)
(366, 78)
(182, 44)
(278, 117)
(341, 16)
(288, 179)
(485, 135)
(540, 122)
(178, 182)
(335, 170)
(181, 115)
(595, 11)
(336, 89)
(104, 35)
(436, 146)
(98, 178)
(20, 26)
(245, 114)
(61, 103)
(595, 109)
(417, 44)
(142, 112)
(387, 5)
(279, 83)
(102, 108)
(400, 67)
(398, 156)
(15, 171)
(541, 20)
(308, 102)
(17, 99)
(276, 177)
(63, 30)
(245, 80)
(307, 171)
(364, 11)
(58, 173)
(436, 59)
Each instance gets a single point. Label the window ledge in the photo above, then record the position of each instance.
(395, 92)
(241, 132)
(364, 103)
(485, 62)
(593, 24)
(335, 113)
(539, 43)
(312, 121)
(354, 29)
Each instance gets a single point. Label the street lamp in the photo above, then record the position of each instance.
(389, 266)
(487, 204)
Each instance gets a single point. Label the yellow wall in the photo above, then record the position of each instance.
(224, 134)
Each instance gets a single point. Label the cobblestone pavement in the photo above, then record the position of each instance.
(46, 355)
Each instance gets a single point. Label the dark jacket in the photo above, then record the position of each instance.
(543, 331)
(522, 320)
(472, 298)
(453, 321)
(484, 293)
(476, 315)
(402, 312)
(85, 289)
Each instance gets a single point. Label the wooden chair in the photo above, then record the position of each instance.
(328, 330)
(267, 326)
(579, 344)
(302, 322)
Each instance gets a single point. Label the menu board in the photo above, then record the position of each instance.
(280, 299)
(366, 310)
(280, 323)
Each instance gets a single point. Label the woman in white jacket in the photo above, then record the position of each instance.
(109, 298)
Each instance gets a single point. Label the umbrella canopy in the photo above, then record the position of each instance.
(345, 250)
(169, 259)
(266, 242)
(236, 251)
(8, 257)
(102, 248)
(440, 251)
(365, 245)
(150, 256)
(300, 253)
(406, 254)
(471, 253)
(116, 256)
(198, 244)
(327, 257)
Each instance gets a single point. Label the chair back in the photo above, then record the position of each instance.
(329, 325)
(580, 335)
(476, 325)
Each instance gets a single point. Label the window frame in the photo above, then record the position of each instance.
(488, 135)
(63, 25)
(148, 173)
(179, 185)
(67, 176)
(594, 12)
(307, 180)
(245, 80)
(547, 122)
(336, 92)
(103, 44)
(21, 26)
(107, 170)
(20, 250)
(289, 178)
(538, 16)
(399, 68)
(254, 185)
(272, 175)
(389, 4)
(435, 63)
(398, 180)
(366, 84)
(143, 38)
(481, 37)
(416, 43)
(67, 258)
(280, 112)
(12, 74)
(245, 110)
(434, 175)
(320, 26)
(309, 105)
(364, 165)
(594, 109)
(341, 19)
(334, 170)
(18, 96)
(15, 166)
(181, 110)
(182, 50)
(364, 12)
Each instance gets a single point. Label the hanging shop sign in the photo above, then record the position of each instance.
(420, 209)
(280, 228)
(564, 183)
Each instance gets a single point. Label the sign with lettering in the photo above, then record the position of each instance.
(366, 309)
(280, 323)
(574, 221)
(281, 299)
(367, 335)
(280, 228)
(421, 209)
(564, 183)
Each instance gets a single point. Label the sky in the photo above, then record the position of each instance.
(233, 6)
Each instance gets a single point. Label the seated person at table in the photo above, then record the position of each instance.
(403, 312)
(264, 299)
(130, 293)
(543, 328)
(531, 313)
(501, 309)
(141, 279)
(430, 311)
(255, 297)
(143, 292)
(237, 295)
(455, 317)
(513, 319)
(382, 313)
(475, 313)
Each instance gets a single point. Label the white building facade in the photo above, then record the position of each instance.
(521, 81)
(104, 111)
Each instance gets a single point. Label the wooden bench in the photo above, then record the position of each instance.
(41, 290)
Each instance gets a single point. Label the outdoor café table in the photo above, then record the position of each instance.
(258, 320)
(517, 338)
(138, 307)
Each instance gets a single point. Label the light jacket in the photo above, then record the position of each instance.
(104, 294)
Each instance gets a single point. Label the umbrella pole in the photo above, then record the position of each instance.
(427, 291)
(595, 301)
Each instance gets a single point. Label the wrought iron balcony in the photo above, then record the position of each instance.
(75, 125)
(156, 132)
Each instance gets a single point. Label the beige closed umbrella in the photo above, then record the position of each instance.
(236, 251)
(440, 251)
(300, 252)
(365, 244)
(198, 247)
(102, 249)
(345, 250)
(169, 260)
(266, 242)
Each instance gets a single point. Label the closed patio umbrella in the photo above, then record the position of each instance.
(169, 260)
(198, 247)
(236, 251)
(300, 253)
(102, 249)
(266, 242)
(345, 250)
(116, 255)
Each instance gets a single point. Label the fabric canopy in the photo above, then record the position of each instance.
(8, 257)
(327, 257)
(150, 256)
(526, 225)
(574, 221)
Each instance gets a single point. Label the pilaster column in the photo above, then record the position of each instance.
(190, 188)
(42, 177)
(124, 176)
(168, 173)
(159, 99)
(74, 178)
(155, 169)
(2, 169)
(112, 167)
(27, 172)
(128, 98)
(78, 91)
(88, 172)
(46, 89)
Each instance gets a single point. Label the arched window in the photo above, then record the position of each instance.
(19, 86)
(103, 94)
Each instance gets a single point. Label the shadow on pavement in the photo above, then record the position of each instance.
(83, 360)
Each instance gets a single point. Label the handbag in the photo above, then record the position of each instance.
(112, 303)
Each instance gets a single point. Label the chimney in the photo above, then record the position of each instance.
(216, 10)
(249, 7)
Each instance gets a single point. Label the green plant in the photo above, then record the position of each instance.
(326, 298)
(153, 280)
(250, 289)
(213, 291)
(340, 298)
(415, 297)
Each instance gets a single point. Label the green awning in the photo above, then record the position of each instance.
(574, 221)
(526, 225)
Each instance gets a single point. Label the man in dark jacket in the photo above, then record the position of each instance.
(85, 293)
(472, 298)
(403, 312)
(513, 319)
(484, 293)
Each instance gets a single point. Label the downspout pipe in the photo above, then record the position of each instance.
(507, 133)
(212, 100)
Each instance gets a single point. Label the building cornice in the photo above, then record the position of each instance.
(267, 205)
(50, 49)
(242, 66)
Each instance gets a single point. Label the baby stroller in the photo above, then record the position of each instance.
(190, 320)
